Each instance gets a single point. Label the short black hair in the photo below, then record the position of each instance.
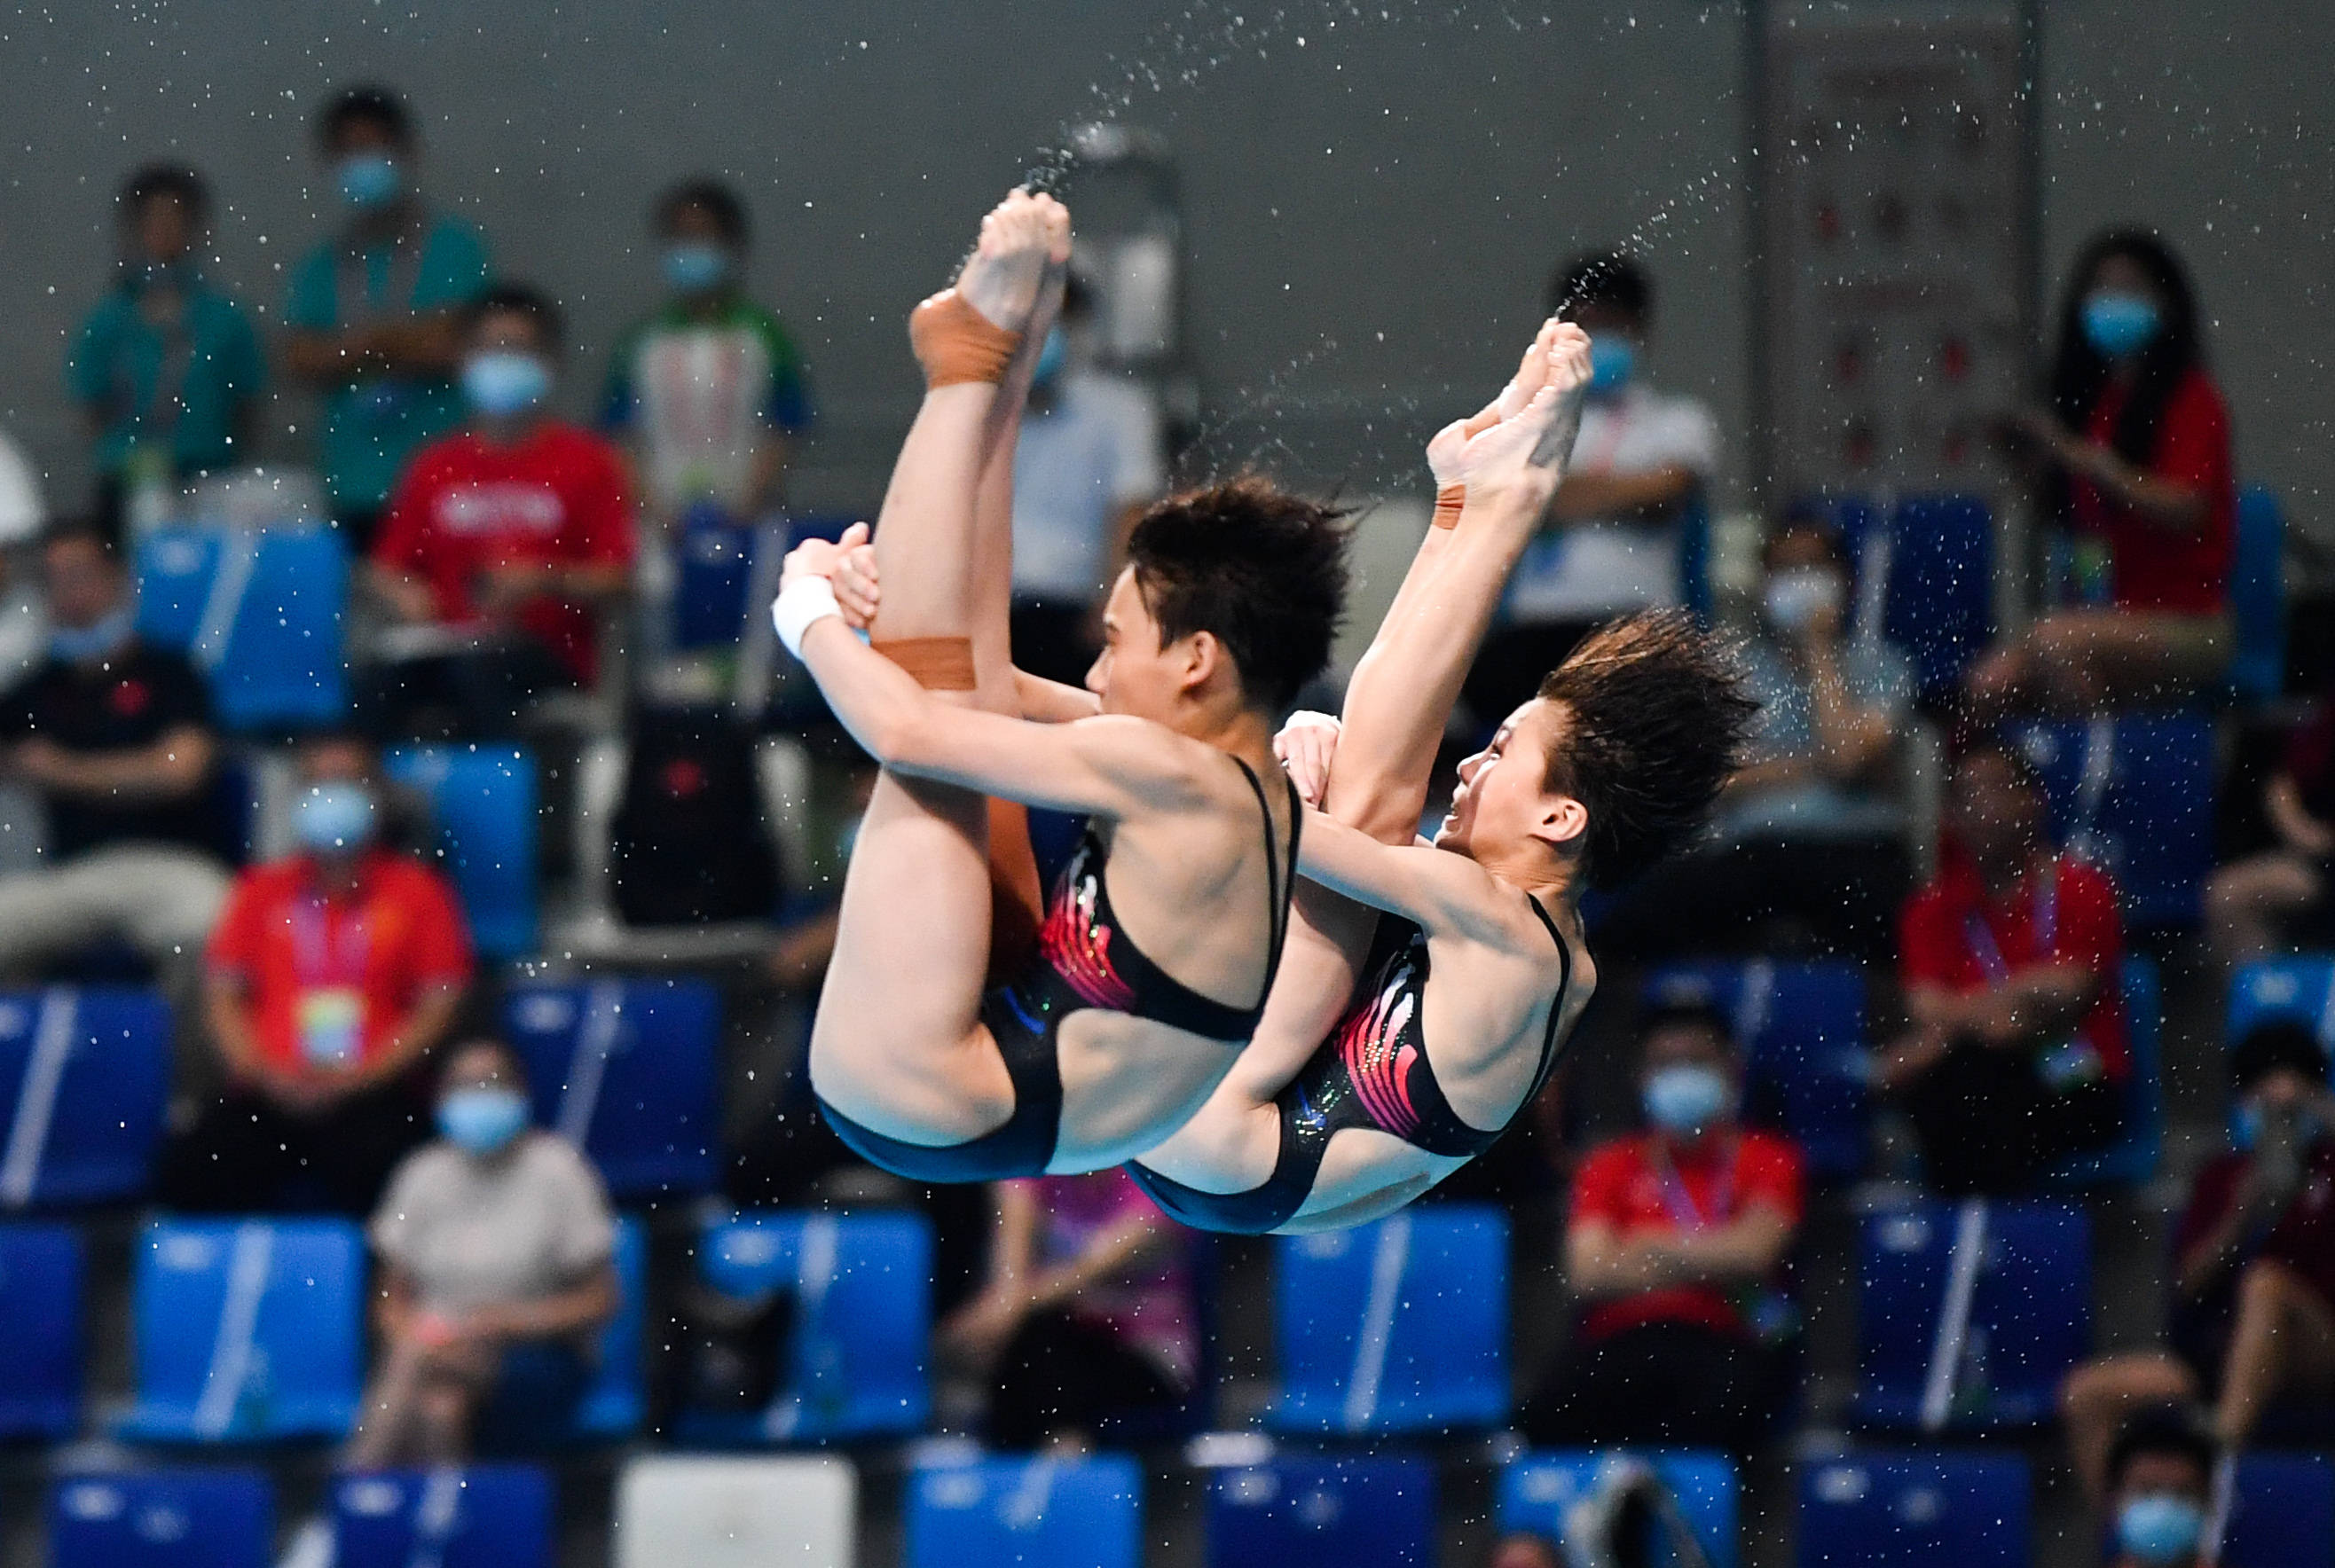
(513, 1060)
(1991, 744)
(1686, 1010)
(518, 299)
(175, 181)
(1654, 721)
(1078, 296)
(1260, 570)
(1802, 517)
(104, 533)
(368, 103)
(2274, 1044)
(2161, 1429)
(1611, 278)
(711, 197)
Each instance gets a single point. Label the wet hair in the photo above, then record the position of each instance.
(180, 183)
(1260, 570)
(1605, 278)
(2161, 1429)
(2078, 370)
(1654, 722)
(711, 197)
(2275, 1044)
(518, 299)
(368, 103)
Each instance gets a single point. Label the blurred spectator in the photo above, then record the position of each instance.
(372, 310)
(504, 542)
(2252, 1313)
(1088, 1315)
(2280, 896)
(23, 622)
(1526, 1549)
(2161, 1484)
(1677, 1243)
(708, 390)
(2135, 455)
(1611, 542)
(332, 976)
(2011, 961)
(1091, 459)
(115, 737)
(167, 368)
(1811, 836)
(498, 1272)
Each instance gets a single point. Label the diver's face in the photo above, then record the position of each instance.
(1502, 801)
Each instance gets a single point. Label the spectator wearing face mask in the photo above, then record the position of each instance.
(709, 391)
(2252, 1309)
(332, 976)
(116, 739)
(166, 368)
(497, 1249)
(1612, 541)
(1677, 1244)
(506, 543)
(2134, 457)
(1090, 458)
(373, 309)
(2160, 1493)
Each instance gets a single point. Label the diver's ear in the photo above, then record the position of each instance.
(1563, 821)
(1199, 657)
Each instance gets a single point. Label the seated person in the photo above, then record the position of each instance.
(2266, 901)
(497, 1251)
(115, 738)
(1088, 1315)
(2011, 961)
(2252, 1310)
(2160, 1479)
(1811, 836)
(508, 538)
(333, 973)
(1677, 1243)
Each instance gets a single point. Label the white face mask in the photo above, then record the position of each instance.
(1797, 596)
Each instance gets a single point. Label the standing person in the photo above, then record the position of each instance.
(373, 308)
(2134, 451)
(708, 391)
(333, 975)
(1611, 542)
(166, 368)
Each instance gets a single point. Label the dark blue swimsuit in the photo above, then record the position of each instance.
(1084, 961)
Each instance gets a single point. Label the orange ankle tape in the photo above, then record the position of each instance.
(956, 342)
(1448, 502)
(938, 664)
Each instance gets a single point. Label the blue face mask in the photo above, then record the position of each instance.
(693, 265)
(334, 819)
(1613, 361)
(2116, 324)
(1687, 1098)
(2160, 1527)
(1052, 356)
(482, 1118)
(503, 382)
(98, 640)
(369, 179)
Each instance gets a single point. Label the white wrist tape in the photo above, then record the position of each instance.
(799, 604)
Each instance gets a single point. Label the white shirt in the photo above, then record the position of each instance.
(1092, 452)
(1585, 571)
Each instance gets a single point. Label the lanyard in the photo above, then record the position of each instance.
(1684, 1212)
(2045, 934)
(321, 958)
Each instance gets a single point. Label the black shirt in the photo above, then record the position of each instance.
(125, 704)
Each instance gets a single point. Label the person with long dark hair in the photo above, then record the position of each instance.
(2134, 451)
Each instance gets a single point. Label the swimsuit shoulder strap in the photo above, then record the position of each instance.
(1556, 1005)
(1278, 887)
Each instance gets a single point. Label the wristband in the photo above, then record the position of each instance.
(800, 604)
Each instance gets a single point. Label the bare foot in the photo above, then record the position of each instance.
(1019, 238)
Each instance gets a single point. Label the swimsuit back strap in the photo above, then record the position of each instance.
(1556, 1006)
(1278, 887)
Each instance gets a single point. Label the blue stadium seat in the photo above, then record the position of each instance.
(1537, 1491)
(41, 1325)
(261, 614)
(162, 1519)
(1802, 1028)
(1934, 1510)
(1400, 1326)
(625, 1070)
(1035, 1513)
(614, 1405)
(1694, 556)
(2282, 1515)
(1323, 1514)
(482, 802)
(2134, 794)
(1937, 597)
(247, 1330)
(2025, 1317)
(862, 1288)
(84, 1079)
(482, 1516)
(2300, 989)
(2258, 597)
(2132, 1158)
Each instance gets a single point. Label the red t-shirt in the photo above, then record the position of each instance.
(1629, 1185)
(1952, 935)
(557, 497)
(2160, 568)
(2303, 1239)
(327, 981)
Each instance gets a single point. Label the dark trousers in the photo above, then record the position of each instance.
(1061, 1374)
(478, 694)
(1989, 1125)
(1053, 639)
(1683, 1385)
(1762, 896)
(1513, 662)
(246, 1153)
